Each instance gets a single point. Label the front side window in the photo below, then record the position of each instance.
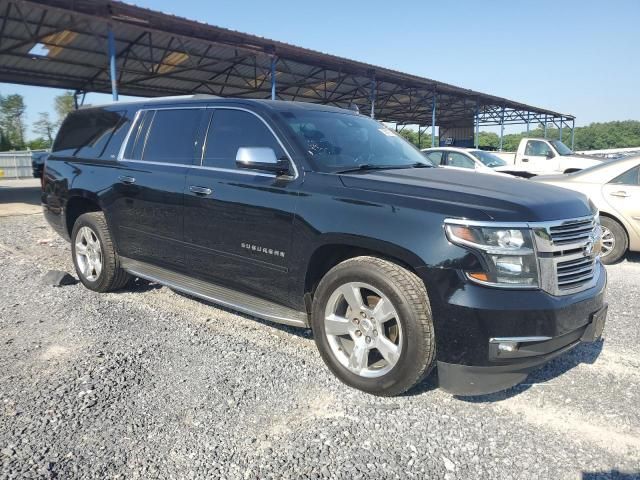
(537, 148)
(455, 159)
(336, 141)
(171, 137)
(630, 177)
(231, 129)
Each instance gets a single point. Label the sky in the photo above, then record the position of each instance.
(579, 57)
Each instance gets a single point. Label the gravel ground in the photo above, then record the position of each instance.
(147, 383)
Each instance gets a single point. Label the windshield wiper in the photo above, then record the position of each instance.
(371, 166)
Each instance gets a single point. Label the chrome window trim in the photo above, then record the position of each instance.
(138, 114)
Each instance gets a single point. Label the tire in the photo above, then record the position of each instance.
(406, 337)
(614, 240)
(91, 231)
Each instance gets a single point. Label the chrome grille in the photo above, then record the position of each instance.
(574, 273)
(567, 254)
(572, 231)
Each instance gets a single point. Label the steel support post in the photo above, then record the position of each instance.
(501, 128)
(433, 120)
(573, 127)
(476, 143)
(112, 64)
(528, 122)
(561, 121)
(274, 60)
(419, 136)
(545, 125)
(373, 97)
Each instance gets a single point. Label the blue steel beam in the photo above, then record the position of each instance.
(561, 122)
(274, 60)
(433, 120)
(545, 126)
(373, 97)
(112, 65)
(477, 121)
(501, 128)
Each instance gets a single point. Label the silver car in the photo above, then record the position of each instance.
(614, 187)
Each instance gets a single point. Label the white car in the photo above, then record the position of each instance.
(465, 158)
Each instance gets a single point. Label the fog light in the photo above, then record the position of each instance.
(508, 346)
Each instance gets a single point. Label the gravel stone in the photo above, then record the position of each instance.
(149, 383)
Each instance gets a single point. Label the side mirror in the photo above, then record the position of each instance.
(261, 158)
(550, 154)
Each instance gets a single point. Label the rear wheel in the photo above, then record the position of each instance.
(614, 240)
(372, 324)
(94, 256)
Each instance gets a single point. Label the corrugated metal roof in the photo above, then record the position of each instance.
(161, 54)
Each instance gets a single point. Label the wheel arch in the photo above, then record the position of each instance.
(78, 203)
(335, 250)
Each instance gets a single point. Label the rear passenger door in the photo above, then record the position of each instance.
(148, 195)
(238, 222)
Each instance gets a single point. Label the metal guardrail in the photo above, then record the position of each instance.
(16, 164)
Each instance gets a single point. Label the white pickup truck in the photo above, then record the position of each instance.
(536, 156)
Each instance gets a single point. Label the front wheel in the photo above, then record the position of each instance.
(372, 324)
(614, 240)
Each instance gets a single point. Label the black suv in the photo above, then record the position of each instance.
(319, 217)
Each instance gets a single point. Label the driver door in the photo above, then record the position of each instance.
(539, 157)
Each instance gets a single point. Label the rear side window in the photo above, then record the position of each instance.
(172, 136)
(435, 157)
(231, 129)
(91, 133)
(455, 159)
(630, 177)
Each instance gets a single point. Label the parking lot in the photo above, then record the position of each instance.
(149, 383)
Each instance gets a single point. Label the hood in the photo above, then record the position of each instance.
(472, 196)
(579, 156)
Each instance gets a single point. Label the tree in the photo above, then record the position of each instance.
(12, 110)
(63, 104)
(45, 128)
(38, 144)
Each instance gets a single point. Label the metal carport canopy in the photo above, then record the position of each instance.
(66, 44)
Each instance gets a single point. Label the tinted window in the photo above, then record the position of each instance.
(455, 159)
(232, 129)
(133, 151)
(630, 177)
(172, 136)
(435, 157)
(86, 133)
(537, 148)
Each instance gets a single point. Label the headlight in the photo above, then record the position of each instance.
(507, 254)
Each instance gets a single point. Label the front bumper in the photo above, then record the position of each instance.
(467, 317)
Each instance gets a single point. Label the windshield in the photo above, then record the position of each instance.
(488, 159)
(340, 141)
(560, 147)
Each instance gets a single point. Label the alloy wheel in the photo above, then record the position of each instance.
(88, 254)
(363, 329)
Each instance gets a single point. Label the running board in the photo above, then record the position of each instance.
(241, 302)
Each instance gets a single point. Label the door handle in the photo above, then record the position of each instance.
(127, 179)
(203, 191)
(525, 160)
(620, 193)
